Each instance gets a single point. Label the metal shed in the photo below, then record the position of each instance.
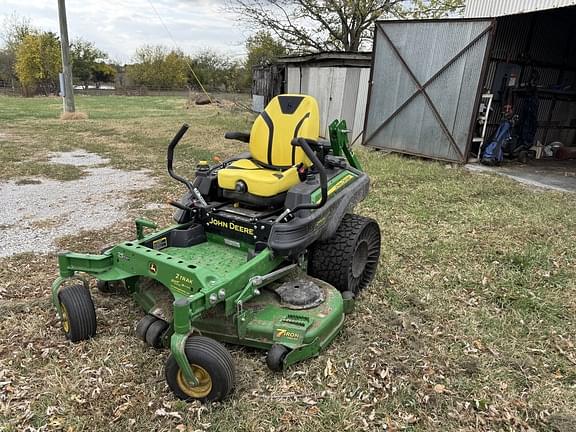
(494, 8)
(339, 81)
(429, 76)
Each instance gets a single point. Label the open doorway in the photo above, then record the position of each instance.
(527, 118)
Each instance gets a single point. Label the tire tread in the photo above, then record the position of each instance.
(327, 259)
(81, 312)
(214, 353)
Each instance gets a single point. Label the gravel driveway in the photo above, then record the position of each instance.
(35, 214)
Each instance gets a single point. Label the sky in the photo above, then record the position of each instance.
(119, 27)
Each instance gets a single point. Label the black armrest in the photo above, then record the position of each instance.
(304, 144)
(238, 136)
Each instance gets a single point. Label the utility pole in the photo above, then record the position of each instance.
(66, 68)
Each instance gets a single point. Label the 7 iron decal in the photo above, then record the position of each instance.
(283, 333)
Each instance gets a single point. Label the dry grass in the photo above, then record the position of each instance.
(77, 115)
(469, 324)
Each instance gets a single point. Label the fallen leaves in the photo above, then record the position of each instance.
(329, 369)
(161, 412)
(439, 388)
(119, 411)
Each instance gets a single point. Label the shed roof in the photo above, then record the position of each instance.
(495, 8)
(352, 59)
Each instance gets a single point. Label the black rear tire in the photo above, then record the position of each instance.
(78, 313)
(155, 333)
(213, 366)
(348, 260)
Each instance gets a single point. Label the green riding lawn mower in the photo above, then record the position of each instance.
(265, 253)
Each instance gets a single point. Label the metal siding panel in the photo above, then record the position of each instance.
(361, 105)
(350, 100)
(426, 48)
(304, 79)
(257, 103)
(336, 98)
(494, 8)
(512, 37)
(390, 84)
(551, 37)
(319, 86)
(322, 93)
(431, 44)
(293, 77)
(334, 88)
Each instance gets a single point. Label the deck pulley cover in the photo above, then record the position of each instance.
(300, 294)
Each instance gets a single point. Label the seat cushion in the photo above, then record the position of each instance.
(285, 117)
(259, 181)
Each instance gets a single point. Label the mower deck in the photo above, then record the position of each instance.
(265, 321)
(219, 281)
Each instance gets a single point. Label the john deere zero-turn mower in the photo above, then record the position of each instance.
(266, 253)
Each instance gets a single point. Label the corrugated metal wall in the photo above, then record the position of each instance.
(292, 79)
(425, 83)
(341, 93)
(494, 8)
(361, 104)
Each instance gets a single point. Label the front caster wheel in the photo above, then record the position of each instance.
(212, 366)
(110, 287)
(143, 325)
(155, 333)
(77, 313)
(276, 356)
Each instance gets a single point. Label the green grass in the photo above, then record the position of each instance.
(469, 324)
(132, 131)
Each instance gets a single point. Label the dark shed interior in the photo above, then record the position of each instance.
(533, 61)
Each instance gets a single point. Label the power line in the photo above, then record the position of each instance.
(176, 46)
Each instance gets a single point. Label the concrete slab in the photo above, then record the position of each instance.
(538, 174)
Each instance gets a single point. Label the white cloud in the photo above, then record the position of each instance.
(120, 27)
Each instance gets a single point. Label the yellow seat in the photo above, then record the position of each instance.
(274, 163)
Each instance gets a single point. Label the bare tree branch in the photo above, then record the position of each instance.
(330, 25)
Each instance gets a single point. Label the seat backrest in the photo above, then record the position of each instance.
(285, 117)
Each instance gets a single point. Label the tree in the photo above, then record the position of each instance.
(102, 72)
(84, 56)
(15, 28)
(434, 8)
(262, 49)
(215, 71)
(6, 66)
(38, 63)
(156, 66)
(328, 25)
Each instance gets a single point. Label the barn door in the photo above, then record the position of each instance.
(426, 80)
